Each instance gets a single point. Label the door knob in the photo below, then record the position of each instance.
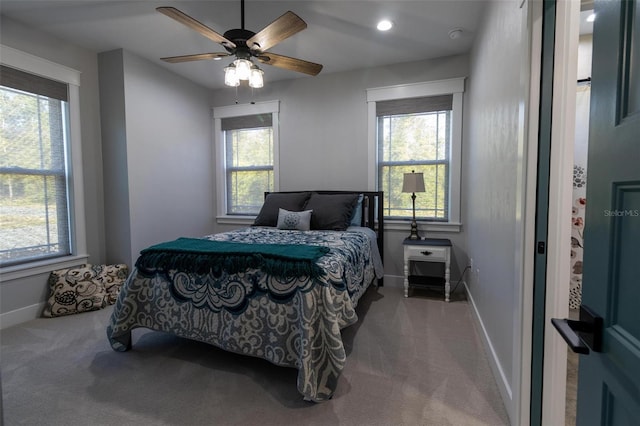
(584, 334)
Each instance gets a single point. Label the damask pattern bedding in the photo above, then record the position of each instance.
(289, 321)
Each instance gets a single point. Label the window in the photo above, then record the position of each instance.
(418, 127)
(246, 139)
(42, 222)
(415, 135)
(34, 190)
(248, 144)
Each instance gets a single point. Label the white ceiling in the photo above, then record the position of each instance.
(341, 35)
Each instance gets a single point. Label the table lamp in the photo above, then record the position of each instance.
(413, 182)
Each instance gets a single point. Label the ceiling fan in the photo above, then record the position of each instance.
(245, 45)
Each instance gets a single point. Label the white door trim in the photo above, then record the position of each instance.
(560, 194)
(528, 157)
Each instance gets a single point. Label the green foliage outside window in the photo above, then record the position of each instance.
(415, 142)
(249, 167)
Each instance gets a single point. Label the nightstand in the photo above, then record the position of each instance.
(427, 250)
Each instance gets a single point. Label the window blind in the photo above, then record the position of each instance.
(20, 80)
(414, 105)
(247, 122)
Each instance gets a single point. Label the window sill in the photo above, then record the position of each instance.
(405, 225)
(10, 273)
(235, 220)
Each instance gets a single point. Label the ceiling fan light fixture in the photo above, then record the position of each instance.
(231, 76)
(255, 79)
(243, 68)
(245, 44)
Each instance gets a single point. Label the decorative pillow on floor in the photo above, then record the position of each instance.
(75, 290)
(113, 276)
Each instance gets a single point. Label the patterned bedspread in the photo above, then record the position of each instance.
(292, 322)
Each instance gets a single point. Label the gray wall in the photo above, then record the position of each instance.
(158, 155)
(323, 132)
(114, 157)
(32, 290)
(494, 98)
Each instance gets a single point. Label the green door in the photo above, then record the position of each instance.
(609, 381)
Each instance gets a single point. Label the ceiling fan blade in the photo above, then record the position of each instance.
(197, 57)
(198, 26)
(280, 29)
(288, 63)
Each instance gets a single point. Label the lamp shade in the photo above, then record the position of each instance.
(413, 182)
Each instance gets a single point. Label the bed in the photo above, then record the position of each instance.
(281, 289)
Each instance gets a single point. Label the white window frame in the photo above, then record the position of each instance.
(34, 65)
(240, 110)
(455, 87)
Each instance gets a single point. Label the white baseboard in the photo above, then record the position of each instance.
(498, 372)
(398, 281)
(17, 316)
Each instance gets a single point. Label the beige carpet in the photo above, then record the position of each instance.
(415, 361)
(572, 388)
(572, 380)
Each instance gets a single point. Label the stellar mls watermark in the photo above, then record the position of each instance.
(622, 213)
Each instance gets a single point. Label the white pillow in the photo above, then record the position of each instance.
(300, 221)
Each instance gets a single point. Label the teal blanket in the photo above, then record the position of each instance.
(202, 256)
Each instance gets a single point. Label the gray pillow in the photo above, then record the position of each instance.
(331, 211)
(299, 221)
(292, 201)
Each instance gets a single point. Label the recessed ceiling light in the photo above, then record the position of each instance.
(384, 25)
(455, 33)
(591, 17)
